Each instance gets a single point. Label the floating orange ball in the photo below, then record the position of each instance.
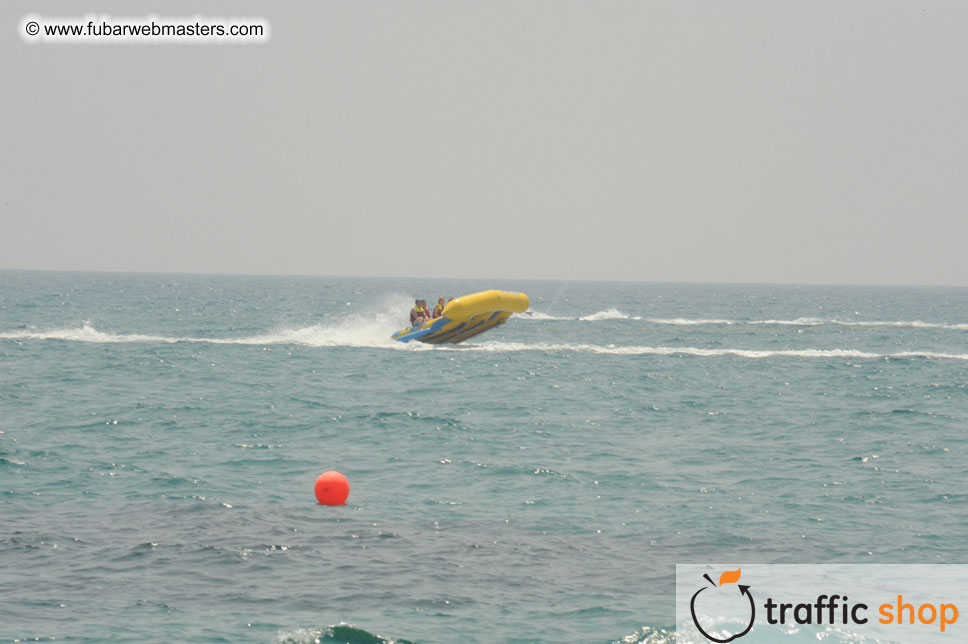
(332, 488)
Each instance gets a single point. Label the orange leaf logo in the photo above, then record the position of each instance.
(729, 577)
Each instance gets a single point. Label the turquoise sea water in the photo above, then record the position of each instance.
(160, 436)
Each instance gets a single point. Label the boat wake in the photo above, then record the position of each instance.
(615, 314)
(370, 333)
(620, 350)
(353, 330)
(808, 321)
(610, 314)
(345, 334)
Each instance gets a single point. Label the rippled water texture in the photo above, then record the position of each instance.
(161, 435)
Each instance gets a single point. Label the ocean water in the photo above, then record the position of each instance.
(160, 436)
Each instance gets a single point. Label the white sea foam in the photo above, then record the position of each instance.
(688, 321)
(634, 350)
(914, 324)
(609, 314)
(795, 322)
(354, 330)
(345, 334)
(84, 333)
(615, 314)
(809, 321)
(360, 331)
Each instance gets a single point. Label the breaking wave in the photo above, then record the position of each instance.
(340, 633)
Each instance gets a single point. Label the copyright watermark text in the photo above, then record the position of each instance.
(105, 28)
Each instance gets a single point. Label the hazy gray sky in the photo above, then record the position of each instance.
(695, 141)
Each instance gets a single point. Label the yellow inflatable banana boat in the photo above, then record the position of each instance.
(466, 316)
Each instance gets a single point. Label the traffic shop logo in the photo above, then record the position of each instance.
(742, 601)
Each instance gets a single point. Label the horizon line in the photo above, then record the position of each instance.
(523, 279)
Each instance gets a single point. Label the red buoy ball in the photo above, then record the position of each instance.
(332, 488)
